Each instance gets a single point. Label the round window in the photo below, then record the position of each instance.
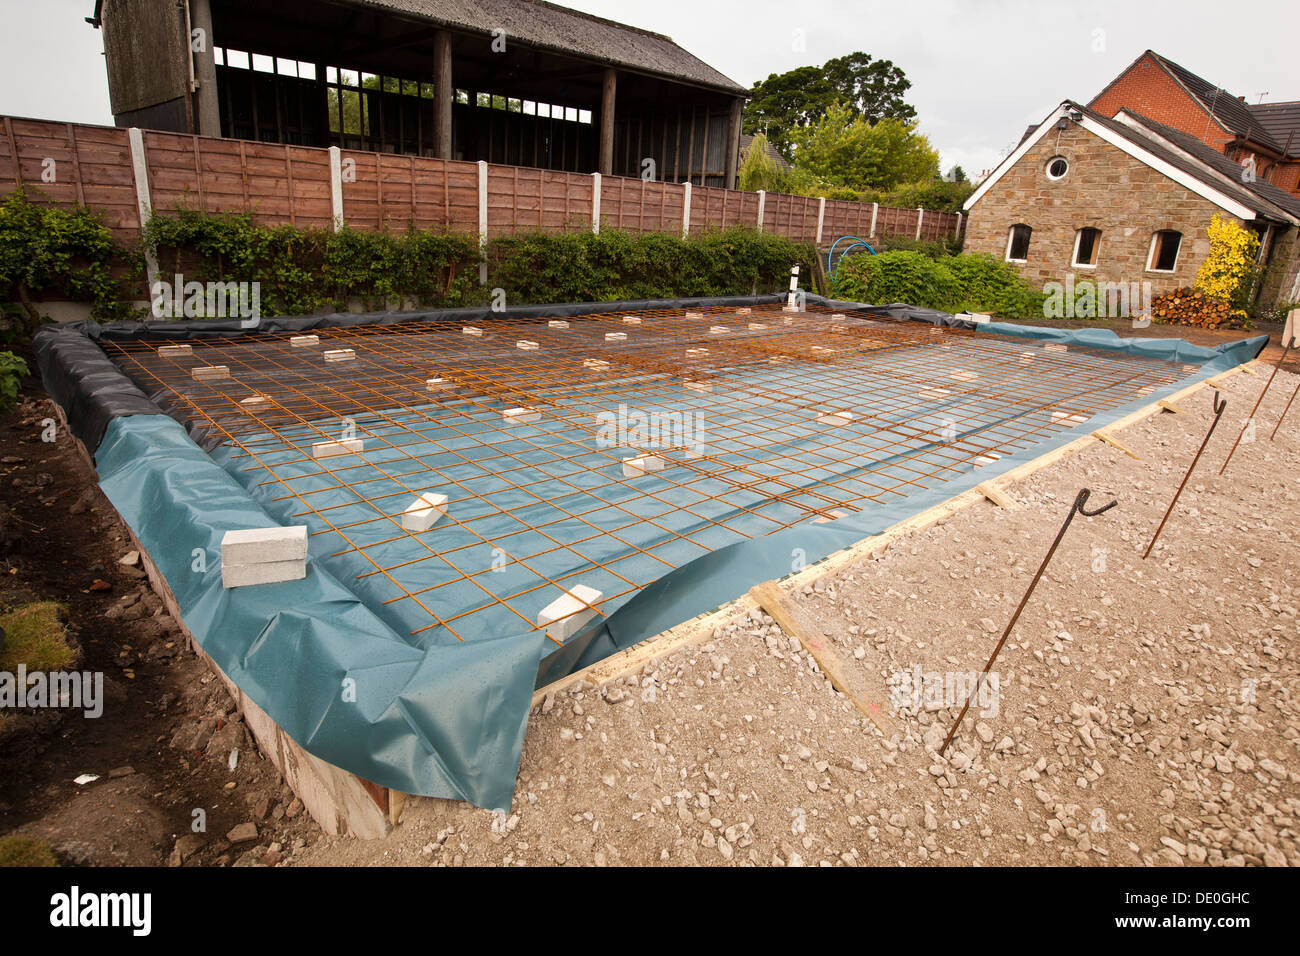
(1057, 167)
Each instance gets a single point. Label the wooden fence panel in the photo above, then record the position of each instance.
(91, 166)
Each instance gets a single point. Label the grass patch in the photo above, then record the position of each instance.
(18, 850)
(35, 637)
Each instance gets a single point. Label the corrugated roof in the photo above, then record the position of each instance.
(1232, 112)
(546, 25)
(1282, 120)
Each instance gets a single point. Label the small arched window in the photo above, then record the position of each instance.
(1087, 241)
(1018, 243)
(1164, 250)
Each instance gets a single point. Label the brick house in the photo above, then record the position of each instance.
(1126, 200)
(1264, 135)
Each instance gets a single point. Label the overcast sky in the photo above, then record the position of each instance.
(981, 70)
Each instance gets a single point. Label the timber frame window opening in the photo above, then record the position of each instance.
(1018, 243)
(1087, 242)
(1165, 246)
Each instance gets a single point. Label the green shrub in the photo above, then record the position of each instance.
(12, 371)
(48, 248)
(901, 276)
(965, 283)
(614, 265)
(989, 285)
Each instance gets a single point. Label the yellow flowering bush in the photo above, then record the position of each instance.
(1231, 258)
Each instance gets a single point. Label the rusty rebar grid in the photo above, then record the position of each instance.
(824, 414)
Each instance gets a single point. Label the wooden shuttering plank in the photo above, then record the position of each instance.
(843, 678)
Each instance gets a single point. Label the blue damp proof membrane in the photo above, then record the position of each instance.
(535, 508)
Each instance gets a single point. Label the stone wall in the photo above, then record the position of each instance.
(1106, 189)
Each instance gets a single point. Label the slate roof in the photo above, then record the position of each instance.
(1282, 120)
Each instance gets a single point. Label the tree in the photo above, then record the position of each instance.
(873, 89)
(783, 103)
(759, 170)
(786, 102)
(956, 175)
(862, 155)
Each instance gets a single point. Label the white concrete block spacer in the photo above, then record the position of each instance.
(332, 449)
(521, 416)
(423, 512)
(174, 351)
(264, 545)
(557, 324)
(632, 319)
(472, 330)
(718, 329)
(757, 326)
(270, 572)
(615, 336)
(963, 375)
(527, 345)
(1056, 347)
(598, 364)
(694, 315)
(637, 467)
(210, 373)
(745, 310)
(698, 386)
(303, 341)
(340, 355)
(835, 418)
(570, 613)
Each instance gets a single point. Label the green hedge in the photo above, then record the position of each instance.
(963, 283)
(613, 265)
(72, 254)
(49, 248)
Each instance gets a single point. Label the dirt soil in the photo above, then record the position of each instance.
(162, 748)
(1146, 712)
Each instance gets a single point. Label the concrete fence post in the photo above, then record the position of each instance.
(762, 205)
(875, 208)
(920, 218)
(482, 221)
(595, 203)
(686, 209)
(957, 229)
(336, 186)
(140, 170)
(821, 217)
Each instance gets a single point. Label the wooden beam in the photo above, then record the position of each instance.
(1171, 407)
(996, 495)
(733, 142)
(1116, 443)
(852, 685)
(605, 164)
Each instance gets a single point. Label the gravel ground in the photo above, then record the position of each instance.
(1145, 710)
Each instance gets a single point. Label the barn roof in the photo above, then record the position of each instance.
(552, 27)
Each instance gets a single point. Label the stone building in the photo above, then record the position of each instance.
(1126, 200)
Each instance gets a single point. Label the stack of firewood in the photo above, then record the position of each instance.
(1191, 307)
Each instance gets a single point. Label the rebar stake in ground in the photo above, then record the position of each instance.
(1077, 508)
(1219, 405)
(1246, 424)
